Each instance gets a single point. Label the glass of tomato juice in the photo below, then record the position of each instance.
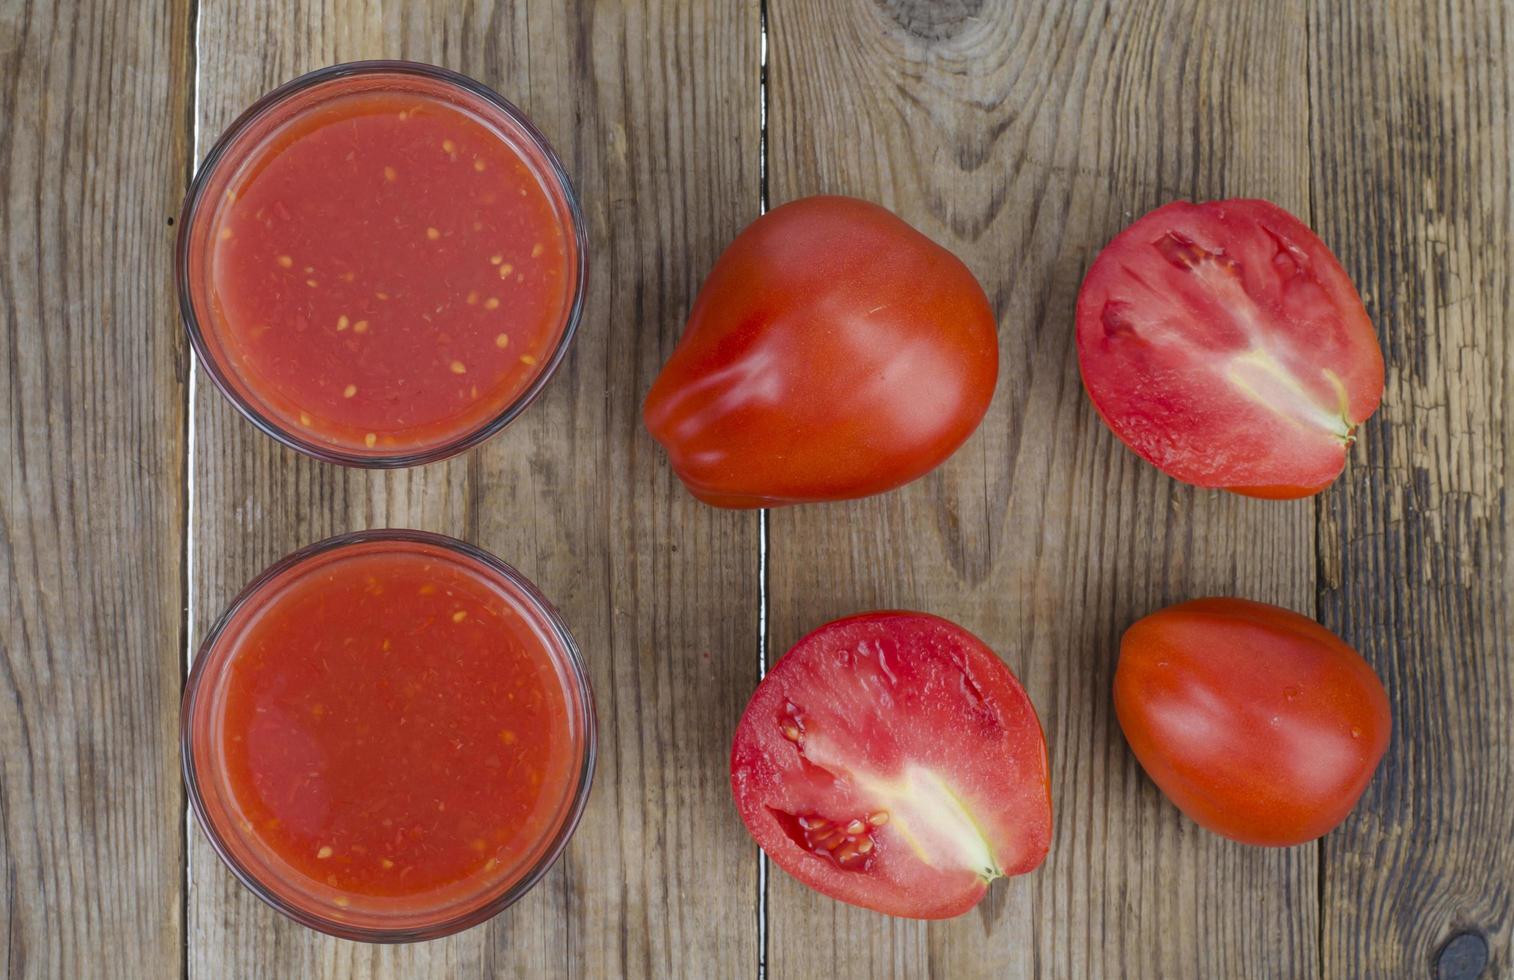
(381, 263)
(389, 736)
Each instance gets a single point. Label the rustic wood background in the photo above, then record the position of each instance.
(1020, 134)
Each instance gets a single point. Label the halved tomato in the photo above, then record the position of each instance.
(1225, 344)
(892, 761)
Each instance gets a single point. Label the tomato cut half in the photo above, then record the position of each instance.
(1225, 344)
(892, 761)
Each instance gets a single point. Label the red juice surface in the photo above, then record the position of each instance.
(387, 273)
(393, 726)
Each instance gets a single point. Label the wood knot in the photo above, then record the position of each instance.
(931, 20)
(1463, 957)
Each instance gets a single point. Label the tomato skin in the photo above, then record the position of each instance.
(1258, 723)
(909, 716)
(1225, 345)
(833, 352)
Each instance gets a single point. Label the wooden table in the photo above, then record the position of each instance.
(1020, 134)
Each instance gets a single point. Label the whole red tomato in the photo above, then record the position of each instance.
(1259, 724)
(834, 352)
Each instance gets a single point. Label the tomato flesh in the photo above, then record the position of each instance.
(1258, 723)
(892, 761)
(1225, 344)
(834, 352)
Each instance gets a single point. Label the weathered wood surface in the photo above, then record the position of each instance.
(1024, 137)
(93, 124)
(656, 116)
(1021, 135)
(1414, 185)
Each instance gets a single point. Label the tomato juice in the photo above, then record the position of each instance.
(381, 263)
(388, 733)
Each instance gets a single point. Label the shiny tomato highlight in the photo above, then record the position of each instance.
(892, 761)
(1225, 344)
(1258, 723)
(834, 352)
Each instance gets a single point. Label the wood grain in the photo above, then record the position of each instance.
(93, 152)
(1414, 186)
(1023, 136)
(654, 109)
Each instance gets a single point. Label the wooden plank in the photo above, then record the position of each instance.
(1413, 183)
(1023, 136)
(93, 152)
(654, 109)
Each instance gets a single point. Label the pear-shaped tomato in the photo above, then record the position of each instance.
(892, 761)
(834, 352)
(1259, 723)
(1226, 345)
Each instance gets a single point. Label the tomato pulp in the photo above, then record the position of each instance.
(891, 760)
(392, 730)
(386, 270)
(1225, 344)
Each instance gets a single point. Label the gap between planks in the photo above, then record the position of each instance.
(762, 515)
(188, 560)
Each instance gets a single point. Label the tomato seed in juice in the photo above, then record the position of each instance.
(393, 726)
(388, 273)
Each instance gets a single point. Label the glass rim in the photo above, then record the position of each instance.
(219, 151)
(571, 660)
